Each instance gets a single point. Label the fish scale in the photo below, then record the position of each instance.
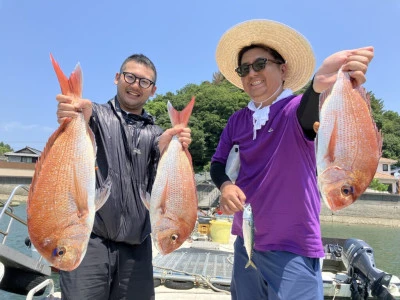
(173, 202)
(248, 233)
(348, 145)
(62, 199)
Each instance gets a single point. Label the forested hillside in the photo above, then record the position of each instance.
(217, 100)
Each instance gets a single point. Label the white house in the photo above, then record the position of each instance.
(384, 174)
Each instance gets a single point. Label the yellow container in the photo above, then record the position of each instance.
(220, 231)
(204, 229)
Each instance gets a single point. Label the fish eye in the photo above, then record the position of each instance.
(347, 190)
(59, 251)
(174, 237)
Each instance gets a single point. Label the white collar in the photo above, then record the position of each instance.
(260, 115)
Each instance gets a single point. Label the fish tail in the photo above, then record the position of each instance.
(72, 85)
(145, 197)
(180, 117)
(250, 263)
(103, 193)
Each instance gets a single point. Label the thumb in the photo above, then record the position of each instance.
(84, 106)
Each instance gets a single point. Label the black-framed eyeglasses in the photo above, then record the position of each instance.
(131, 79)
(258, 65)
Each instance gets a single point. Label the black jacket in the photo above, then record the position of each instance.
(127, 150)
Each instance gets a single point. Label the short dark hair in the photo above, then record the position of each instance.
(140, 59)
(270, 50)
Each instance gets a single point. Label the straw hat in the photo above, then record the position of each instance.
(290, 44)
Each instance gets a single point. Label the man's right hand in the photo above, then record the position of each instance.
(66, 109)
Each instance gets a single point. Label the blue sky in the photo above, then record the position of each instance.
(179, 36)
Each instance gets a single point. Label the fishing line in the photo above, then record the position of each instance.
(268, 97)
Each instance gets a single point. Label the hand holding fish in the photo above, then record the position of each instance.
(66, 109)
(348, 144)
(353, 61)
(60, 213)
(232, 198)
(183, 134)
(174, 186)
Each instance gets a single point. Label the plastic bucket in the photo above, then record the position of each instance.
(220, 231)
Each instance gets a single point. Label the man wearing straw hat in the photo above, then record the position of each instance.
(277, 176)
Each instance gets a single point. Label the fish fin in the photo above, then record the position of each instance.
(102, 194)
(316, 144)
(46, 150)
(189, 156)
(367, 97)
(180, 117)
(330, 155)
(250, 263)
(80, 198)
(145, 196)
(71, 86)
(323, 96)
(163, 203)
(380, 140)
(92, 138)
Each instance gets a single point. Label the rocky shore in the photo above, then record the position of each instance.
(374, 209)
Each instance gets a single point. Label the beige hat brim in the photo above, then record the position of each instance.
(290, 44)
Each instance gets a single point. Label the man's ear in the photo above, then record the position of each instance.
(153, 90)
(117, 75)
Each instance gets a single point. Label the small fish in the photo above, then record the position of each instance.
(248, 233)
(348, 145)
(173, 202)
(62, 199)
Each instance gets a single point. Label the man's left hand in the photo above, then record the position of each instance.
(183, 134)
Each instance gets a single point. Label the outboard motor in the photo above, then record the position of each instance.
(358, 257)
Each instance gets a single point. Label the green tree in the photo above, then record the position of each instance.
(217, 100)
(391, 146)
(5, 148)
(377, 186)
(215, 103)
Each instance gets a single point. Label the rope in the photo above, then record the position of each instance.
(204, 278)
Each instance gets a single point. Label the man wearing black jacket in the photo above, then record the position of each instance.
(118, 261)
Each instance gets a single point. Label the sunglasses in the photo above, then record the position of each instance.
(258, 65)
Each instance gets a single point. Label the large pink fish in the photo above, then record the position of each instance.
(348, 144)
(62, 199)
(173, 202)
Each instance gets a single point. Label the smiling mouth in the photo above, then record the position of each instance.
(255, 83)
(132, 93)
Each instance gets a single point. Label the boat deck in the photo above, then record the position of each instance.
(198, 270)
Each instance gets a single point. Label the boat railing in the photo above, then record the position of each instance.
(21, 271)
(47, 283)
(8, 210)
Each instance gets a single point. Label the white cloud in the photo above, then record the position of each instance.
(18, 126)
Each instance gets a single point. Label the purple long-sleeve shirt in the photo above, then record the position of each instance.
(278, 177)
